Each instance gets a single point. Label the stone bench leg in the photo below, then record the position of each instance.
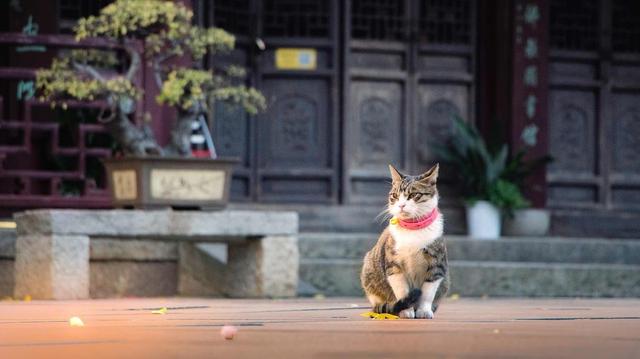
(52, 266)
(264, 267)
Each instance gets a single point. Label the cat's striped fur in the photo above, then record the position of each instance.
(406, 272)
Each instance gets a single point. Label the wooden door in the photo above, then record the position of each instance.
(290, 152)
(409, 68)
(594, 105)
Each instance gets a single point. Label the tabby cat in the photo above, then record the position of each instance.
(406, 272)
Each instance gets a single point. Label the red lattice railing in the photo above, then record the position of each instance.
(48, 157)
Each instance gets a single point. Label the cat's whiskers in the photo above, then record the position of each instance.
(384, 215)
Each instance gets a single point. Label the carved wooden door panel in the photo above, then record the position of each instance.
(297, 136)
(408, 71)
(595, 105)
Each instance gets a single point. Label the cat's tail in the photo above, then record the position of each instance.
(402, 304)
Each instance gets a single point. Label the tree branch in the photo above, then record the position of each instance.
(157, 73)
(87, 69)
(135, 61)
(157, 67)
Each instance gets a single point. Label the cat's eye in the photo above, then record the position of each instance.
(393, 196)
(415, 196)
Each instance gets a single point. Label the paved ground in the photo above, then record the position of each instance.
(308, 328)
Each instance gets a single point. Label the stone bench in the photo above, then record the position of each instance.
(52, 247)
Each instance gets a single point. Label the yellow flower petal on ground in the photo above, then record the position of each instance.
(27, 298)
(76, 322)
(162, 311)
(454, 296)
(369, 314)
(384, 316)
(379, 316)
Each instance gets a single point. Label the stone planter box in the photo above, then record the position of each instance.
(148, 182)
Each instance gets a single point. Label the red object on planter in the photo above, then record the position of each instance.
(201, 153)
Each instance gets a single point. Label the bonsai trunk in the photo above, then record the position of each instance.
(140, 141)
(180, 144)
(134, 140)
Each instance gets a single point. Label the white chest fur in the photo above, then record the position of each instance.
(412, 240)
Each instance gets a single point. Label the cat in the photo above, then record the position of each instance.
(406, 272)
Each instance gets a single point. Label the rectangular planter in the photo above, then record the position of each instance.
(153, 182)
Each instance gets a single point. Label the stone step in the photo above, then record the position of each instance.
(514, 249)
(347, 218)
(340, 277)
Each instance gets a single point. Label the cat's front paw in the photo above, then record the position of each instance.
(407, 313)
(424, 314)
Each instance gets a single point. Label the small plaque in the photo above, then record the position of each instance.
(200, 185)
(124, 184)
(296, 59)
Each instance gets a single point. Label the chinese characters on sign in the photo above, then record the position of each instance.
(26, 88)
(527, 46)
(529, 82)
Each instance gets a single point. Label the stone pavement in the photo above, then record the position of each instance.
(313, 328)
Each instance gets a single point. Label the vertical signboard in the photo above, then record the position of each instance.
(529, 88)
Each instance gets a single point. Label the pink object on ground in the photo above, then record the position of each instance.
(228, 332)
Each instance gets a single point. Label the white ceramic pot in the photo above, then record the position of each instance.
(483, 220)
(527, 222)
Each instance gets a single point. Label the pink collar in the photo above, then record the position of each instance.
(418, 223)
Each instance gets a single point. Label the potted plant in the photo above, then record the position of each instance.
(488, 193)
(525, 221)
(158, 34)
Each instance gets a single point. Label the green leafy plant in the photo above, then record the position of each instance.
(155, 32)
(483, 174)
(506, 195)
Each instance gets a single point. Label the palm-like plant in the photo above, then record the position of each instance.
(484, 174)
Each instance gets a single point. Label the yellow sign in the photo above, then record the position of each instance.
(7, 225)
(124, 184)
(296, 59)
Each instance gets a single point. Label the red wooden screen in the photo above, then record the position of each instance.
(48, 157)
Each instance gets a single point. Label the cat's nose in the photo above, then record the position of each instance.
(402, 205)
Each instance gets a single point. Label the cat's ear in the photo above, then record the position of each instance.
(431, 175)
(396, 176)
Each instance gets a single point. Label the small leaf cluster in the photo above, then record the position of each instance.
(136, 19)
(184, 88)
(164, 25)
(62, 82)
(97, 58)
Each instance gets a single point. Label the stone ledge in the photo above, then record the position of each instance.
(7, 244)
(186, 225)
(105, 249)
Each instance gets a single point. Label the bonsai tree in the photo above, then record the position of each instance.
(159, 33)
